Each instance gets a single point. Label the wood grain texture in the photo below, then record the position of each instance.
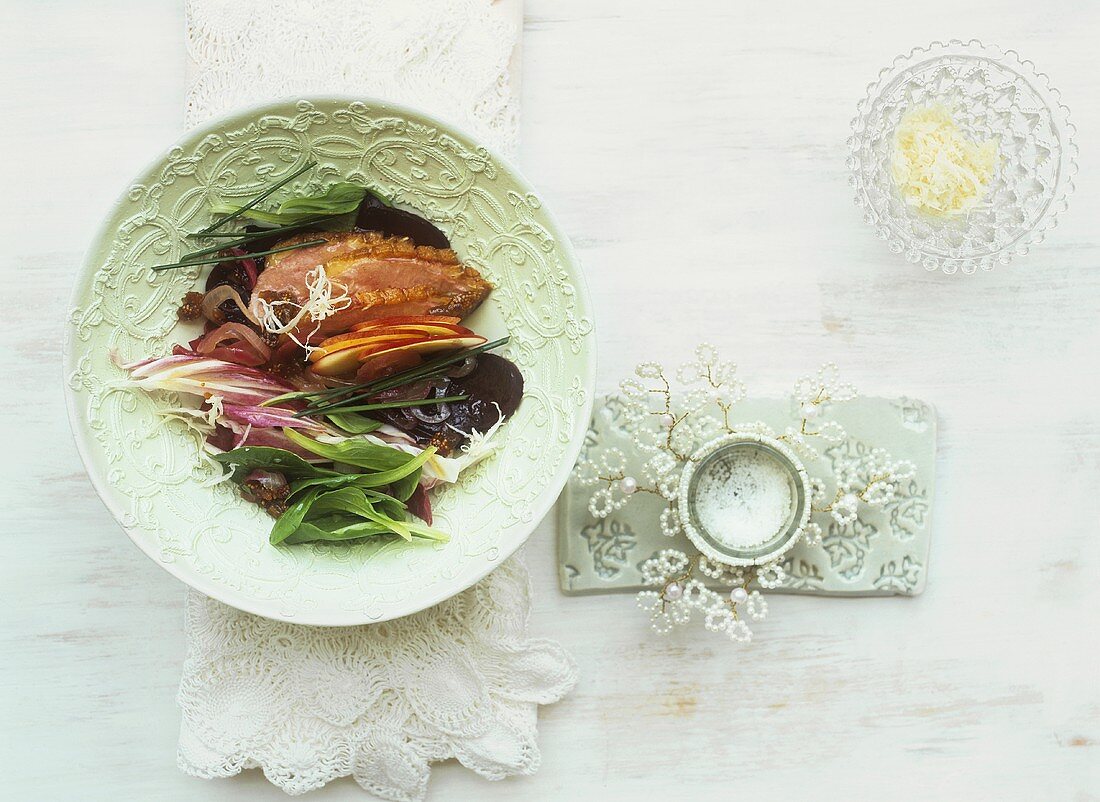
(721, 125)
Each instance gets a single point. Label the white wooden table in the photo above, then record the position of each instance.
(695, 152)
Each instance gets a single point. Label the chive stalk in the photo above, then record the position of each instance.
(425, 402)
(359, 392)
(232, 258)
(221, 221)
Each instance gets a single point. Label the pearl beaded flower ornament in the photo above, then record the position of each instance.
(737, 490)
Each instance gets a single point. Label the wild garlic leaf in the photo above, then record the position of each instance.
(353, 451)
(389, 506)
(394, 476)
(345, 499)
(314, 533)
(352, 501)
(339, 199)
(329, 482)
(404, 487)
(352, 423)
(427, 532)
(290, 520)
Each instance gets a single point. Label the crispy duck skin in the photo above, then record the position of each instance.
(385, 276)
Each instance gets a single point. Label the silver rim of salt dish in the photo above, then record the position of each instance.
(771, 549)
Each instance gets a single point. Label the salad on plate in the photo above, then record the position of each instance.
(330, 372)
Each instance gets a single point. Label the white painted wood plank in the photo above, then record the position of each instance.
(697, 157)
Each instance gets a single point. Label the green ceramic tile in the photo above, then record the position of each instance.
(884, 553)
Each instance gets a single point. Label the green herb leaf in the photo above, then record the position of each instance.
(335, 506)
(266, 233)
(313, 533)
(230, 257)
(290, 520)
(323, 482)
(388, 506)
(342, 480)
(404, 487)
(244, 460)
(353, 451)
(410, 468)
(427, 532)
(237, 211)
(352, 423)
(421, 402)
(344, 499)
(339, 199)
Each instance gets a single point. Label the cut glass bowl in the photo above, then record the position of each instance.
(991, 93)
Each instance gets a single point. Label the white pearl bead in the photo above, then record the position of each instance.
(667, 420)
(674, 591)
(810, 411)
(739, 595)
(628, 485)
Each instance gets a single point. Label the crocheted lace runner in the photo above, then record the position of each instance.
(463, 679)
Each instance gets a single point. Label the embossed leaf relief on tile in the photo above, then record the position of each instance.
(886, 553)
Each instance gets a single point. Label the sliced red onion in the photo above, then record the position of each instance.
(218, 296)
(464, 368)
(272, 483)
(236, 343)
(413, 391)
(441, 413)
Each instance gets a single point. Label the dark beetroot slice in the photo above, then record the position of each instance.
(221, 438)
(372, 200)
(399, 223)
(233, 274)
(495, 379)
(263, 243)
(420, 505)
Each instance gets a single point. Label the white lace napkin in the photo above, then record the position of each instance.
(463, 679)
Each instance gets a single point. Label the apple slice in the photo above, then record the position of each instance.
(333, 345)
(338, 340)
(337, 363)
(434, 346)
(347, 360)
(381, 342)
(400, 320)
(379, 367)
(424, 328)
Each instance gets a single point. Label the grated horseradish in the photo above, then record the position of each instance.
(935, 167)
(744, 498)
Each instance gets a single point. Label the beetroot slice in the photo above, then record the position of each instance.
(420, 505)
(399, 223)
(495, 382)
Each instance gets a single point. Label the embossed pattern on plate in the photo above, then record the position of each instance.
(148, 471)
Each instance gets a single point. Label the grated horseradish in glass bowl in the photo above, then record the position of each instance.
(961, 156)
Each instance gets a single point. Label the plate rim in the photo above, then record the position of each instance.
(235, 599)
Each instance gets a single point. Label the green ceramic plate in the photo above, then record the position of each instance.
(148, 472)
